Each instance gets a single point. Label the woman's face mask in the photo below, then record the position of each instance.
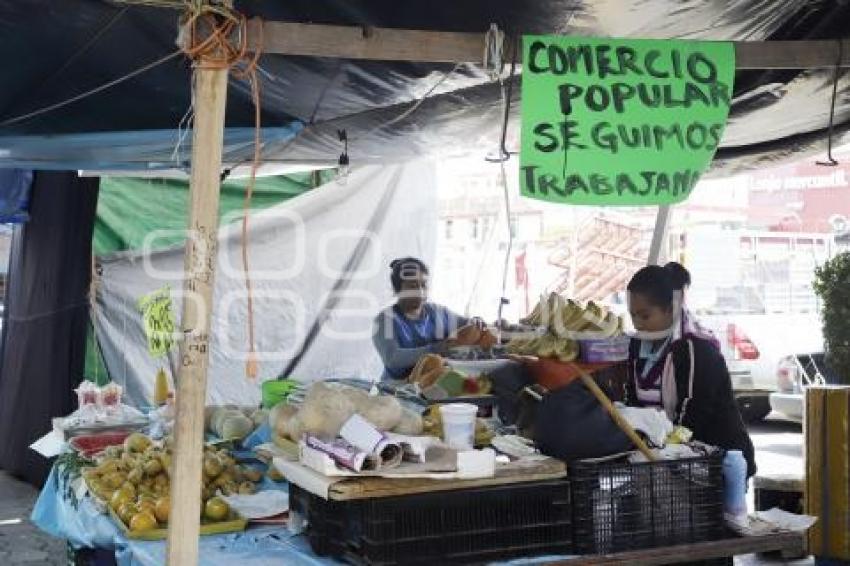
(647, 316)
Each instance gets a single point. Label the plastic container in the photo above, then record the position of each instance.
(554, 374)
(160, 390)
(476, 525)
(735, 483)
(459, 424)
(604, 350)
(486, 403)
(619, 506)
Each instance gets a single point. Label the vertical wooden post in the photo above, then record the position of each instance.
(210, 94)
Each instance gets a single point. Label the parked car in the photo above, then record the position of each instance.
(793, 374)
(754, 345)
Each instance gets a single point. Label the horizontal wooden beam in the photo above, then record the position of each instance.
(387, 44)
(378, 44)
(789, 542)
(790, 54)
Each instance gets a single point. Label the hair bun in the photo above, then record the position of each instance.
(679, 276)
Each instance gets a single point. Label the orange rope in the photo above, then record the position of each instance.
(216, 51)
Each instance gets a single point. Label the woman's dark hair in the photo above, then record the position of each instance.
(399, 265)
(658, 283)
(681, 276)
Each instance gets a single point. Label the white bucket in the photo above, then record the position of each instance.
(459, 424)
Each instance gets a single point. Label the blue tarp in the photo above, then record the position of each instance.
(15, 185)
(85, 526)
(131, 151)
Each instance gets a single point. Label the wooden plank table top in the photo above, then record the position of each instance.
(516, 472)
(688, 553)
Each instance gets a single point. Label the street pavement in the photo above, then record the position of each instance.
(20, 541)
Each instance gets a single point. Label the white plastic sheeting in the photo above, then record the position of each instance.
(319, 261)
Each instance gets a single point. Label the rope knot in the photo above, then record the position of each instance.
(216, 37)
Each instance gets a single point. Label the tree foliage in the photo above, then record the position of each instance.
(832, 284)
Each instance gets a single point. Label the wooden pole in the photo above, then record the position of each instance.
(210, 94)
(615, 414)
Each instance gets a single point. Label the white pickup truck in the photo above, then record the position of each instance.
(754, 290)
(755, 344)
(755, 347)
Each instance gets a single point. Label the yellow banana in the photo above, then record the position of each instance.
(547, 346)
(567, 351)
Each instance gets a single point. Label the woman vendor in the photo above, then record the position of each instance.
(412, 327)
(676, 365)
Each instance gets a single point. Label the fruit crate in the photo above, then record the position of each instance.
(615, 349)
(619, 506)
(465, 526)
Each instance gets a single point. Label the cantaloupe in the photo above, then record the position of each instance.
(326, 408)
(410, 423)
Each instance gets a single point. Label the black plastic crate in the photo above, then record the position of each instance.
(619, 506)
(453, 527)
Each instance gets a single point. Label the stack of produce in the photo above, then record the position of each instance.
(433, 426)
(564, 320)
(471, 335)
(328, 406)
(133, 479)
(233, 423)
(438, 381)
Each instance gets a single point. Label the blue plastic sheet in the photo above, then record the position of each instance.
(261, 435)
(85, 526)
(82, 526)
(130, 151)
(255, 547)
(15, 185)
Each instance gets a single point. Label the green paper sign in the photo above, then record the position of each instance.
(621, 122)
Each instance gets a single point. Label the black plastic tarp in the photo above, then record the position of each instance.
(46, 316)
(59, 49)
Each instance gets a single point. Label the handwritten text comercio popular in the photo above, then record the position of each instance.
(639, 118)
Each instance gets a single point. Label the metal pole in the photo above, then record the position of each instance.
(657, 249)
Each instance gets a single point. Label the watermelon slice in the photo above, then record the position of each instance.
(90, 445)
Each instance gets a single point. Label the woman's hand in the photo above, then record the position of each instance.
(442, 347)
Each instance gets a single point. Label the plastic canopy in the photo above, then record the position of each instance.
(69, 47)
(130, 209)
(320, 260)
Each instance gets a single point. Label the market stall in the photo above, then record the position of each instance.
(413, 471)
(354, 453)
(525, 510)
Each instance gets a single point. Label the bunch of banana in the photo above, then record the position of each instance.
(546, 346)
(551, 310)
(593, 319)
(535, 317)
(565, 316)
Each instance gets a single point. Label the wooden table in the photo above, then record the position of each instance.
(693, 552)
